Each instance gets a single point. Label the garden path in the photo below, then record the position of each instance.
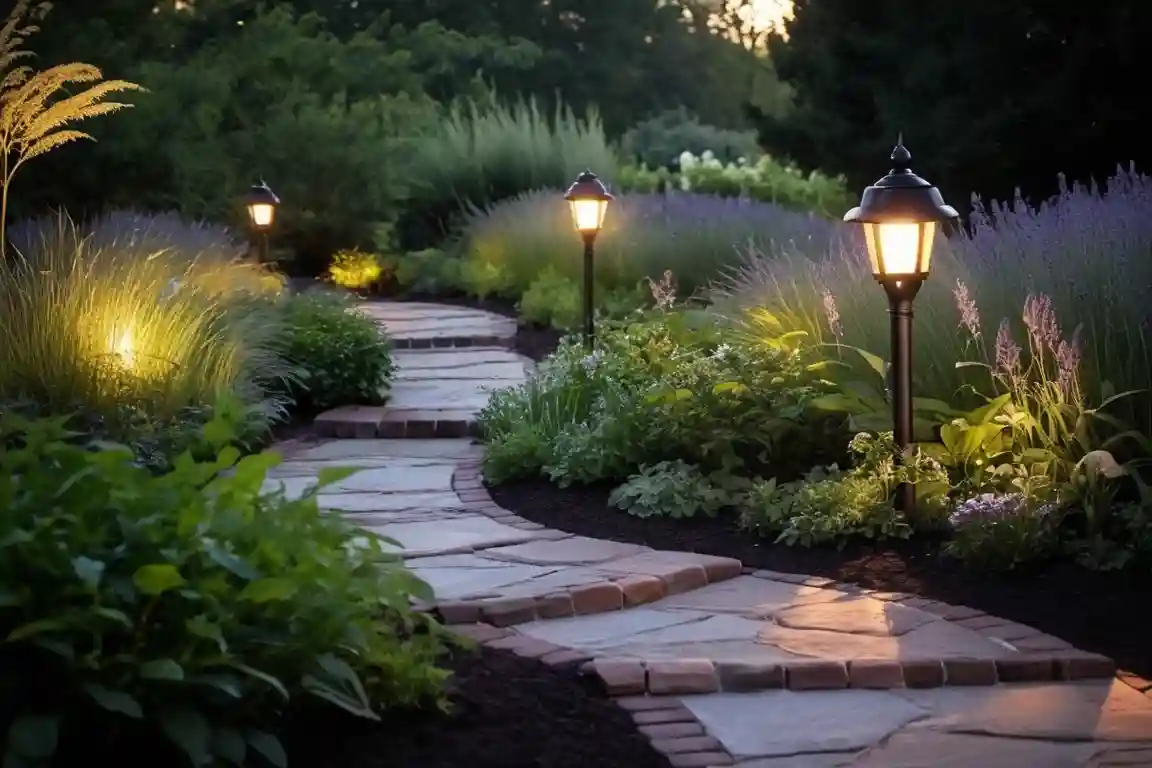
(718, 665)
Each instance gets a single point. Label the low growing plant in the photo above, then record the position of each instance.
(552, 300)
(342, 357)
(355, 269)
(195, 605)
(676, 489)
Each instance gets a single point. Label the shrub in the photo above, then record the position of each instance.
(552, 300)
(143, 319)
(1088, 250)
(766, 180)
(430, 271)
(697, 237)
(355, 269)
(478, 155)
(192, 605)
(343, 357)
(659, 141)
(660, 389)
(677, 490)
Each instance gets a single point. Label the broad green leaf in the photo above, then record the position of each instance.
(323, 690)
(202, 626)
(227, 457)
(162, 669)
(34, 736)
(333, 475)
(229, 561)
(223, 683)
(837, 403)
(877, 364)
(157, 579)
(189, 730)
(88, 571)
(114, 701)
(269, 589)
(113, 614)
(269, 748)
(727, 386)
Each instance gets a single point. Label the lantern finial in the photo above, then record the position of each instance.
(901, 157)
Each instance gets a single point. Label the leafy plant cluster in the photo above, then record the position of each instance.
(198, 606)
(760, 178)
(661, 141)
(664, 405)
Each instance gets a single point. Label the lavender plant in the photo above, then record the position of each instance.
(697, 237)
(1089, 250)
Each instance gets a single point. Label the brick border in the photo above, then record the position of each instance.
(452, 342)
(1043, 658)
(671, 728)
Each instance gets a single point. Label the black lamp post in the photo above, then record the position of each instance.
(588, 198)
(900, 213)
(261, 203)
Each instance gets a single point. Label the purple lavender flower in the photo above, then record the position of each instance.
(993, 507)
(1007, 351)
(969, 313)
(832, 314)
(1068, 364)
(1040, 320)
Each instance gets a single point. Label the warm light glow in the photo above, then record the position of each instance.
(121, 344)
(588, 215)
(262, 214)
(900, 248)
(763, 15)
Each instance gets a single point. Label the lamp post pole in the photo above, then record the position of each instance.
(589, 288)
(900, 316)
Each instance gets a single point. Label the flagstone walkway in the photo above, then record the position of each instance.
(718, 665)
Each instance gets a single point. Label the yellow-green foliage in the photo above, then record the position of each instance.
(355, 269)
(33, 121)
(114, 319)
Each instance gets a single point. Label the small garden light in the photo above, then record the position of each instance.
(588, 199)
(261, 203)
(899, 214)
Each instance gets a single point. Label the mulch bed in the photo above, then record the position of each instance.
(506, 712)
(1096, 611)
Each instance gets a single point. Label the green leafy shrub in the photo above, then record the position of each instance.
(193, 605)
(355, 269)
(430, 271)
(140, 319)
(552, 300)
(656, 389)
(675, 489)
(659, 141)
(342, 356)
(479, 154)
(830, 505)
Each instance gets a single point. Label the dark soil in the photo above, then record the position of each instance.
(506, 712)
(1095, 611)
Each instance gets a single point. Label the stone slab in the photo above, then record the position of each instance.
(749, 595)
(917, 748)
(438, 394)
(576, 549)
(350, 451)
(409, 320)
(383, 502)
(400, 477)
(470, 532)
(857, 616)
(606, 629)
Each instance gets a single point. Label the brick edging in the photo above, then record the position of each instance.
(1043, 658)
(453, 342)
(670, 727)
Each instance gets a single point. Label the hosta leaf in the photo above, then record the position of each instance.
(189, 730)
(269, 748)
(88, 571)
(269, 589)
(162, 669)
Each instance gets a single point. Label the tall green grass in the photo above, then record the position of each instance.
(139, 315)
(479, 154)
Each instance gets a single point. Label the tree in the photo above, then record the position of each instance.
(990, 95)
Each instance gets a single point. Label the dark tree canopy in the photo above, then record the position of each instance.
(990, 95)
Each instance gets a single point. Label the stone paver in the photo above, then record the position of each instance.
(1043, 726)
(717, 666)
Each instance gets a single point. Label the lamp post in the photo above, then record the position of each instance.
(588, 199)
(261, 203)
(899, 214)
